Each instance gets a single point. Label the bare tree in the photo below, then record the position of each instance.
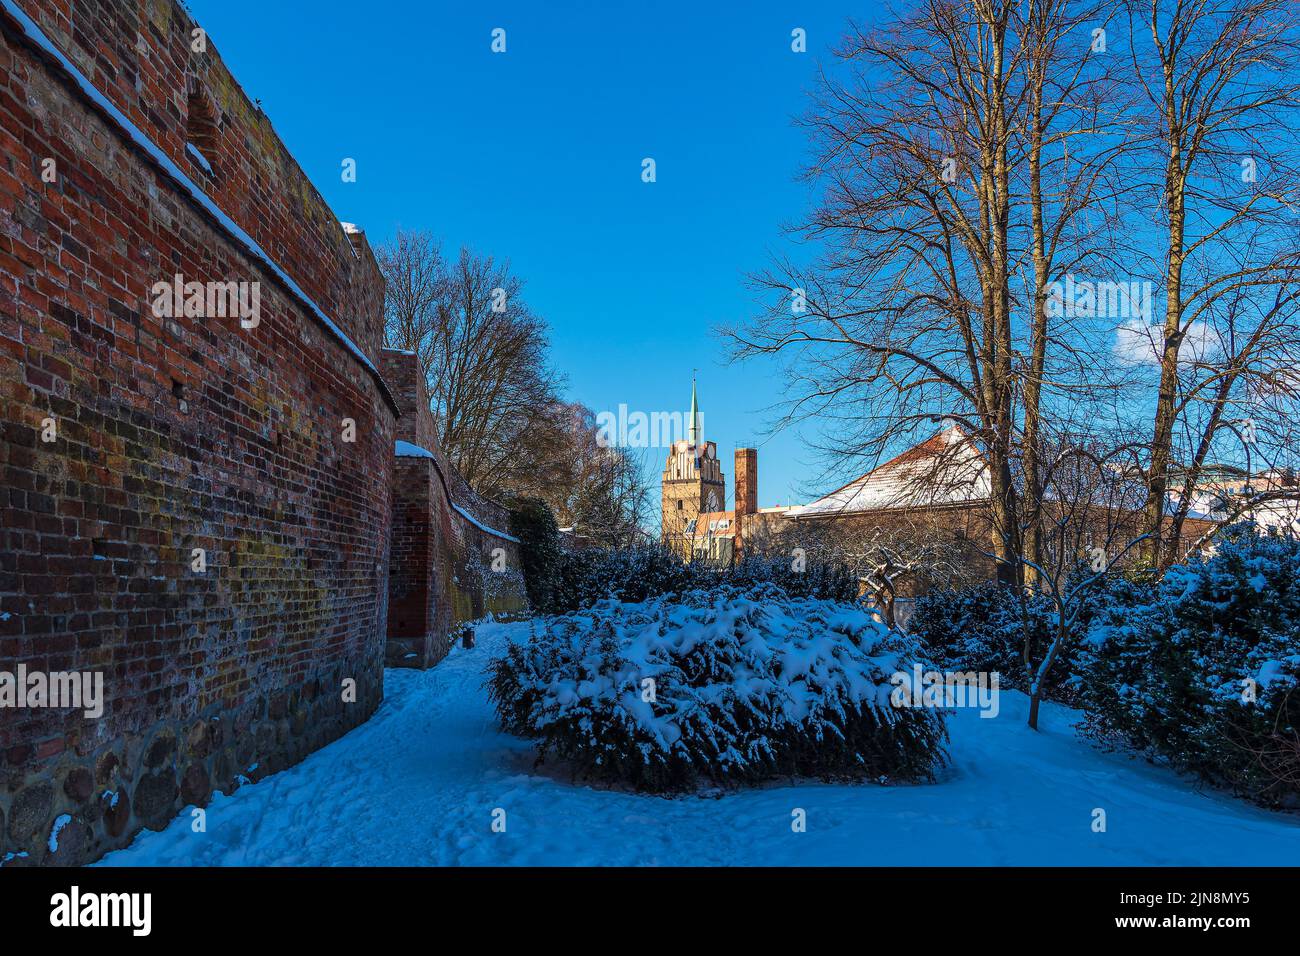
(1092, 523)
(492, 389)
(604, 495)
(415, 286)
(955, 167)
(484, 355)
(1222, 83)
(500, 416)
(973, 148)
(1070, 100)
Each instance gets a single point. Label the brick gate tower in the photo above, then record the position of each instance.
(692, 483)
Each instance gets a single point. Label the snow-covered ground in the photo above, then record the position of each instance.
(418, 785)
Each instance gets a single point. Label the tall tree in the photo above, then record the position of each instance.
(1070, 105)
(948, 152)
(1222, 83)
(605, 496)
(484, 354)
(501, 418)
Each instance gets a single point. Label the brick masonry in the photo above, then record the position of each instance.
(174, 434)
(746, 498)
(445, 569)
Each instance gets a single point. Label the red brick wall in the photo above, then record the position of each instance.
(406, 382)
(138, 53)
(746, 493)
(173, 434)
(415, 618)
(444, 569)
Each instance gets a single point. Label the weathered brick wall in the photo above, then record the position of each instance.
(139, 54)
(173, 434)
(963, 534)
(418, 623)
(746, 497)
(444, 568)
(402, 373)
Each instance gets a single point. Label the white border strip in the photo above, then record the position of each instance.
(37, 36)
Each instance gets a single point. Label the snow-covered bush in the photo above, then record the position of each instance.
(726, 686)
(984, 628)
(827, 580)
(631, 574)
(533, 523)
(1204, 671)
(581, 578)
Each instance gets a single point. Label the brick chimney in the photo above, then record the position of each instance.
(746, 493)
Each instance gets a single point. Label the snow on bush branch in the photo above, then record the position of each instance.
(1203, 670)
(723, 687)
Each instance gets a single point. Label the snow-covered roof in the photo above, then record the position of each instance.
(946, 469)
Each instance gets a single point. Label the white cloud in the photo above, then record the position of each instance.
(1137, 343)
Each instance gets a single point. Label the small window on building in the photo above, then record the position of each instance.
(202, 129)
(679, 506)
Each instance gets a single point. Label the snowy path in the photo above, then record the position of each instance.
(417, 784)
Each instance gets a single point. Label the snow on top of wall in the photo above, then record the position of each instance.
(405, 449)
(481, 526)
(37, 36)
(63, 820)
(199, 158)
(351, 229)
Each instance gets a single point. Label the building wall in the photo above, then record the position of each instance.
(174, 434)
(954, 539)
(415, 615)
(685, 489)
(958, 538)
(445, 569)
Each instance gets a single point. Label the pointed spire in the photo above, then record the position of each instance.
(694, 428)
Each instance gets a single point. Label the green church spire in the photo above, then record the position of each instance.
(694, 433)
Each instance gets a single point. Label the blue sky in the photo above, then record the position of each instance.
(535, 155)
